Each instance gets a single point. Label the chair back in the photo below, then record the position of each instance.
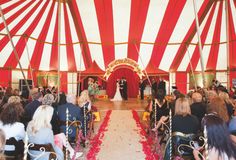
(44, 148)
(13, 148)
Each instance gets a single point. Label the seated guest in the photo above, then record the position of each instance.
(158, 107)
(228, 102)
(32, 106)
(9, 123)
(218, 106)
(198, 107)
(48, 99)
(182, 120)
(220, 145)
(74, 114)
(40, 132)
(85, 105)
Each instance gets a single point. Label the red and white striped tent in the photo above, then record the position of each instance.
(158, 32)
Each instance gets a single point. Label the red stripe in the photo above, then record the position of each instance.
(196, 55)
(169, 21)
(105, 23)
(20, 46)
(181, 81)
(2, 2)
(63, 81)
(81, 33)
(54, 53)
(232, 38)
(69, 48)
(189, 36)
(38, 49)
(213, 56)
(5, 40)
(138, 16)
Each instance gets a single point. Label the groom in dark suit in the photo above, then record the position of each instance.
(123, 88)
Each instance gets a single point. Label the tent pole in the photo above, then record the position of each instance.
(14, 49)
(191, 66)
(199, 44)
(58, 55)
(143, 65)
(30, 67)
(227, 41)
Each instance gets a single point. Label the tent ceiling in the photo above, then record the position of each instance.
(147, 31)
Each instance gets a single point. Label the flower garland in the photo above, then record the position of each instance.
(146, 142)
(96, 141)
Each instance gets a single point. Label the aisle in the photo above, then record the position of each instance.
(121, 141)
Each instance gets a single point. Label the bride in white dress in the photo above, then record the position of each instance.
(117, 96)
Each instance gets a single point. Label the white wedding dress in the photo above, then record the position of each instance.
(117, 96)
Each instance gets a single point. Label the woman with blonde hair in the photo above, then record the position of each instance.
(40, 132)
(182, 120)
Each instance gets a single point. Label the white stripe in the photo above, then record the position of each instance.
(121, 18)
(184, 22)
(145, 55)
(186, 59)
(46, 55)
(31, 43)
(188, 54)
(89, 19)
(233, 11)
(76, 47)
(63, 59)
(151, 28)
(222, 54)
(78, 58)
(210, 34)
(62, 25)
(63, 51)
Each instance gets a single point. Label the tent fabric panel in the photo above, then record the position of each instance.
(202, 12)
(196, 54)
(105, 24)
(91, 30)
(5, 77)
(168, 24)
(121, 17)
(69, 48)
(211, 64)
(73, 5)
(138, 16)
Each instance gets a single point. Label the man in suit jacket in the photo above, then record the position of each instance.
(125, 90)
(74, 114)
(141, 88)
(162, 85)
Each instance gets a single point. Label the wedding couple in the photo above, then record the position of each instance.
(121, 90)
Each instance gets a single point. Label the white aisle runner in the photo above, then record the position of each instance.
(121, 140)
